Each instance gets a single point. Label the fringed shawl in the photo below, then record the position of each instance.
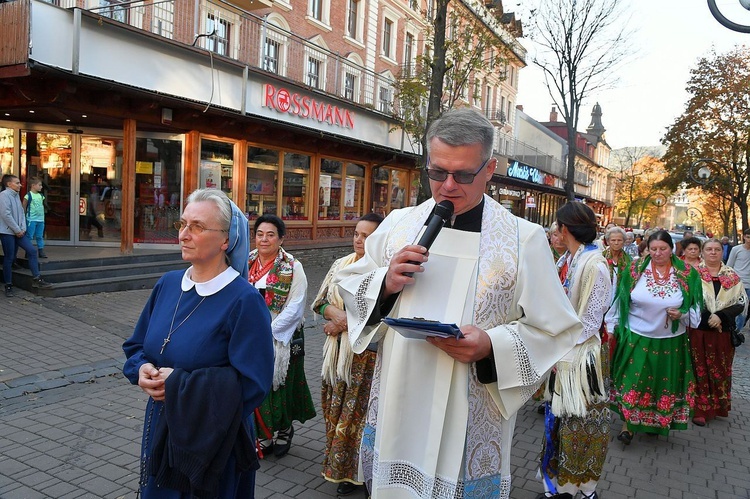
(687, 277)
(731, 293)
(279, 280)
(622, 264)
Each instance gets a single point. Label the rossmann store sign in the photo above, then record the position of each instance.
(305, 107)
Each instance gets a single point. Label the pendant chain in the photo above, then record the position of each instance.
(172, 329)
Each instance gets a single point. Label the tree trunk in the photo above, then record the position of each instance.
(435, 99)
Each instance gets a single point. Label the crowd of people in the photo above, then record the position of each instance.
(615, 325)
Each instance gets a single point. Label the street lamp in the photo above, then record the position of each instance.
(726, 21)
(693, 213)
(699, 171)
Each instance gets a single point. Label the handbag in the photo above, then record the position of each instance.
(297, 345)
(736, 337)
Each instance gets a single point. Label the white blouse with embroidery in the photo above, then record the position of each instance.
(649, 302)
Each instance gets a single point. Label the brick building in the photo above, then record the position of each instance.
(123, 108)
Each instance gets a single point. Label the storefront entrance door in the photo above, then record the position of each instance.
(100, 189)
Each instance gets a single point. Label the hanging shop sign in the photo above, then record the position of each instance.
(519, 170)
(284, 101)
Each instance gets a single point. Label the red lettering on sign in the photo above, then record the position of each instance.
(285, 101)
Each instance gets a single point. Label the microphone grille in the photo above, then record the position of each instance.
(444, 209)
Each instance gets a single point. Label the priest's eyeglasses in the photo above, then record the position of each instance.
(194, 228)
(458, 177)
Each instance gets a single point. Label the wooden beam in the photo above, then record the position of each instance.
(192, 162)
(128, 186)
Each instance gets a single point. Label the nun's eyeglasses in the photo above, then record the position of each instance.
(194, 228)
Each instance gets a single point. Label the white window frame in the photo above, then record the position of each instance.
(163, 19)
(276, 29)
(359, 22)
(392, 17)
(385, 106)
(325, 14)
(410, 52)
(356, 73)
(312, 52)
(232, 20)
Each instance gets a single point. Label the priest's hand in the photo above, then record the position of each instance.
(475, 345)
(151, 381)
(407, 260)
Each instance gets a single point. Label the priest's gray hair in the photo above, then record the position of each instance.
(613, 230)
(463, 127)
(218, 198)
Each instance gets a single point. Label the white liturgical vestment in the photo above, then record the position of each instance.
(433, 430)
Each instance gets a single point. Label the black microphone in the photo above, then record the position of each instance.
(443, 211)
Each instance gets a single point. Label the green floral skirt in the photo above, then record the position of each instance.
(653, 387)
(292, 401)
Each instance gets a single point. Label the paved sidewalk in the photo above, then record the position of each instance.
(70, 423)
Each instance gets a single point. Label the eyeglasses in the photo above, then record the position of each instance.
(194, 228)
(458, 177)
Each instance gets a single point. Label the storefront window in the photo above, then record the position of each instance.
(6, 151)
(398, 189)
(295, 195)
(354, 190)
(217, 161)
(380, 182)
(48, 156)
(262, 175)
(100, 198)
(329, 189)
(158, 163)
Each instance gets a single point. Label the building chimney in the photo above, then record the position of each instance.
(519, 107)
(553, 115)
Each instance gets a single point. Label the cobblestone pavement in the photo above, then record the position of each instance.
(70, 423)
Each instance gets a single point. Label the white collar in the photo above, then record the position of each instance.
(209, 287)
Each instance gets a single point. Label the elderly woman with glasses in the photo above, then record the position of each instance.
(281, 280)
(202, 352)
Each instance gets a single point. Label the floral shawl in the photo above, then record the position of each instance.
(621, 266)
(732, 291)
(687, 278)
(279, 279)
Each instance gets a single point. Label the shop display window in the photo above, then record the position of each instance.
(296, 184)
(49, 157)
(329, 189)
(262, 179)
(354, 190)
(158, 163)
(390, 190)
(100, 193)
(217, 162)
(6, 150)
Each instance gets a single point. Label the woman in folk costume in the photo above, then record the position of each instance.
(711, 346)
(346, 376)
(281, 280)
(556, 246)
(653, 387)
(577, 413)
(617, 259)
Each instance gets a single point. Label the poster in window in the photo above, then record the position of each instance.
(325, 190)
(210, 174)
(349, 189)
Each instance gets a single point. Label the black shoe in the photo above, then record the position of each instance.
(346, 488)
(625, 437)
(9, 291)
(42, 254)
(266, 446)
(283, 442)
(540, 409)
(38, 282)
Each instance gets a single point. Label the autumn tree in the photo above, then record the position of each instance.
(715, 125)
(447, 73)
(630, 166)
(581, 43)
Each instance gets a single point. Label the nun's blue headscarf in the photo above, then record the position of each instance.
(238, 250)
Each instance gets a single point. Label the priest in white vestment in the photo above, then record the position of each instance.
(441, 412)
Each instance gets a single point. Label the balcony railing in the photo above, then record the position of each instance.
(511, 147)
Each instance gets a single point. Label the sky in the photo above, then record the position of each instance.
(670, 36)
